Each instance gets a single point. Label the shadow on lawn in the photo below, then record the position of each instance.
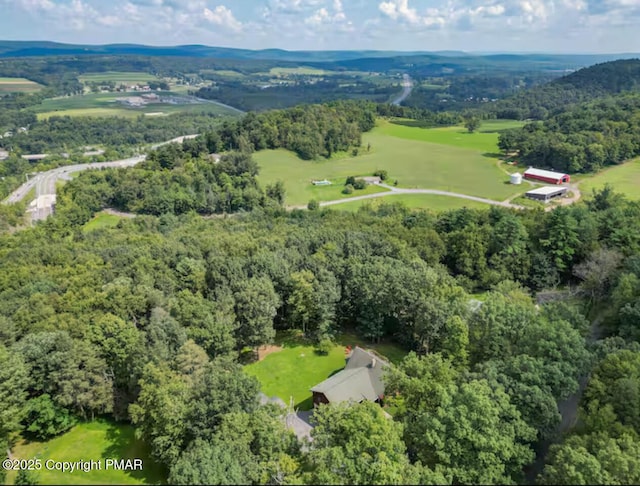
(410, 123)
(123, 444)
(493, 155)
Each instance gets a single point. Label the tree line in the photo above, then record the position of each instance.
(584, 138)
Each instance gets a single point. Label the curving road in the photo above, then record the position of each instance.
(407, 88)
(395, 190)
(45, 182)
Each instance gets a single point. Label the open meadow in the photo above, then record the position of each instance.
(18, 85)
(624, 178)
(102, 220)
(97, 440)
(447, 159)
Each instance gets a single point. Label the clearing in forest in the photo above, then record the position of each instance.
(447, 159)
(624, 178)
(292, 371)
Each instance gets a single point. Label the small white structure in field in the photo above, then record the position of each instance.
(321, 183)
(516, 179)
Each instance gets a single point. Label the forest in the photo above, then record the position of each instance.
(587, 84)
(584, 138)
(146, 322)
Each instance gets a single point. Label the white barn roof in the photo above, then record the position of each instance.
(548, 190)
(544, 173)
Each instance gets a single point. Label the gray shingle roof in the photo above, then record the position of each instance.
(361, 379)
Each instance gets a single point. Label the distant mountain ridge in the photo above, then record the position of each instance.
(9, 49)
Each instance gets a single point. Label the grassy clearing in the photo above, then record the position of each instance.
(294, 370)
(116, 77)
(407, 156)
(102, 220)
(18, 85)
(97, 440)
(624, 178)
(485, 139)
(414, 201)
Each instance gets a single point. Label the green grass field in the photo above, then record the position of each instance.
(294, 370)
(416, 157)
(624, 178)
(414, 201)
(485, 139)
(117, 77)
(97, 440)
(106, 104)
(102, 220)
(18, 85)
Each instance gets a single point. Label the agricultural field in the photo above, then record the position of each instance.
(18, 85)
(485, 139)
(444, 159)
(298, 71)
(117, 77)
(106, 104)
(624, 178)
(432, 202)
(97, 440)
(294, 370)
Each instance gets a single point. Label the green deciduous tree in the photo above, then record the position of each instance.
(357, 444)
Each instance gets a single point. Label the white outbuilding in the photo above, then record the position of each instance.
(516, 179)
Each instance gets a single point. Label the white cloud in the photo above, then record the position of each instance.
(223, 17)
(323, 16)
(400, 10)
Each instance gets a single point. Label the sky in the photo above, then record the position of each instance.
(558, 26)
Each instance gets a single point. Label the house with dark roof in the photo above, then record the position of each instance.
(361, 379)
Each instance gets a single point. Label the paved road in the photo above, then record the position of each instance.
(407, 88)
(45, 182)
(395, 190)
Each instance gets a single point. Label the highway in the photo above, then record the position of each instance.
(407, 88)
(45, 182)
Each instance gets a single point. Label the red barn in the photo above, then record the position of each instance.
(547, 176)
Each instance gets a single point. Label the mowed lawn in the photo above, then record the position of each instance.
(624, 178)
(414, 201)
(97, 440)
(411, 156)
(293, 371)
(18, 85)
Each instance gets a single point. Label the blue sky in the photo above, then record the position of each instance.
(427, 25)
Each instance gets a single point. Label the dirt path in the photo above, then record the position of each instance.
(394, 190)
